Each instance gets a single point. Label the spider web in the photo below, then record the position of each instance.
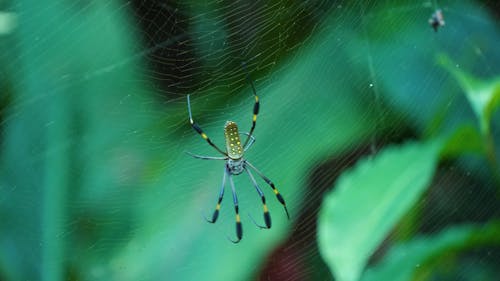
(94, 178)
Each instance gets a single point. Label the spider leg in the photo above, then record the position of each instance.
(205, 157)
(255, 107)
(267, 216)
(219, 200)
(252, 140)
(271, 184)
(197, 128)
(239, 228)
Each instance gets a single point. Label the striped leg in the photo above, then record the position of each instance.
(267, 216)
(197, 128)
(239, 228)
(268, 181)
(255, 110)
(219, 200)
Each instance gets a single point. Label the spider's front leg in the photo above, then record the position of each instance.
(267, 216)
(198, 129)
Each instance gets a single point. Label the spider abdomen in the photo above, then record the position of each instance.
(233, 141)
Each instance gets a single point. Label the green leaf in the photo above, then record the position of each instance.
(368, 201)
(405, 260)
(465, 139)
(483, 96)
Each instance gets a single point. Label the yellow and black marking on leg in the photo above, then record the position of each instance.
(267, 216)
(256, 109)
(239, 227)
(255, 113)
(271, 184)
(198, 129)
(278, 196)
(219, 199)
(215, 215)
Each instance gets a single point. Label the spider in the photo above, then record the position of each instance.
(235, 165)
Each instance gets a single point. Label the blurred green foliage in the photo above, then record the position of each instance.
(483, 96)
(416, 258)
(94, 181)
(381, 190)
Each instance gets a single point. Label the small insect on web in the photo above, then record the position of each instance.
(236, 164)
(437, 20)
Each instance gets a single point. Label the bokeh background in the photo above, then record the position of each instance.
(381, 134)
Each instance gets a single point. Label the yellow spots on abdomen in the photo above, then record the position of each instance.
(233, 141)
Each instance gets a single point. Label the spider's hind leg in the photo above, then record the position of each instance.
(239, 227)
(271, 184)
(267, 216)
(219, 200)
